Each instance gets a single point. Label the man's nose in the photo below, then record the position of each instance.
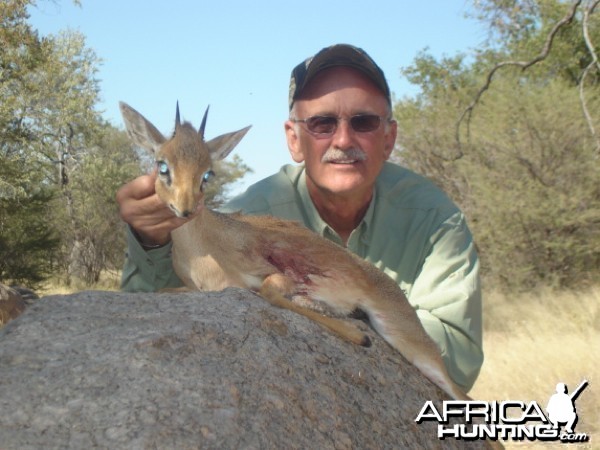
(342, 138)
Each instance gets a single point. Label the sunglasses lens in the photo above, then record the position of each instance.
(321, 124)
(326, 125)
(365, 123)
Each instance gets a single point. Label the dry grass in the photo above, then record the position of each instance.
(109, 281)
(533, 341)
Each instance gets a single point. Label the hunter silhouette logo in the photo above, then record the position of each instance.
(508, 420)
(561, 406)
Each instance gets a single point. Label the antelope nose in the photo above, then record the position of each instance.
(178, 212)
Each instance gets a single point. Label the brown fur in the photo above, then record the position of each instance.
(11, 304)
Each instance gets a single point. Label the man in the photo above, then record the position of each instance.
(561, 408)
(342, 131)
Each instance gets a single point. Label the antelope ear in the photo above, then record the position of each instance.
(140, 130)
(221, 146)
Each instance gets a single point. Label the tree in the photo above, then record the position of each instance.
(95, 240)
(525, 169)
(50, 134)
(27, 241)
(60, 162)
(227, 173)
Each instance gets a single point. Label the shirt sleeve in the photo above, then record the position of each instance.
(147, 270)
(447, 296)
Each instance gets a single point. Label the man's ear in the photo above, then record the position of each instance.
(293, 141)
(390, 138)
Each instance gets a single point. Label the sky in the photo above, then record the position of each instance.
(237, 56)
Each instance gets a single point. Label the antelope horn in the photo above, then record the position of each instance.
(177, 120)
(203, 124)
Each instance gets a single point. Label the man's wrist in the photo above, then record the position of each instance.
(145, 244)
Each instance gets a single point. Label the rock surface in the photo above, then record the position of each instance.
(200, 370)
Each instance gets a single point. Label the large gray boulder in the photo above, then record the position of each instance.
(200, 370)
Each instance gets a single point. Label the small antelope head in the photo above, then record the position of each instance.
(183, 162)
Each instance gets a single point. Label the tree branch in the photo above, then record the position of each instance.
(524, 65)
(594, 62)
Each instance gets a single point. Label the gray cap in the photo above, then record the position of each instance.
(334, 56)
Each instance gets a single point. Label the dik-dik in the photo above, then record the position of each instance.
(279, 259)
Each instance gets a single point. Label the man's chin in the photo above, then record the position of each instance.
(343, 184)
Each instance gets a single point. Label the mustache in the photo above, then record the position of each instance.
(335, 154)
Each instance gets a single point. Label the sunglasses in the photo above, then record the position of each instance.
(327, 125)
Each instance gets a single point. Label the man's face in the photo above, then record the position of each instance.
(347, 162)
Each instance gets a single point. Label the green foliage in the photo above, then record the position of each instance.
(519, 30)
(60, 163)
(93, 239)
(525, 170)
(27, 242)
(227, 173)
(27, 239)
(534, 175)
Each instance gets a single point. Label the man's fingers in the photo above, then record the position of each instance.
(137, 189)
(154, 206)
(145, 212)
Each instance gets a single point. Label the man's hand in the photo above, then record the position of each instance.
(141, 208)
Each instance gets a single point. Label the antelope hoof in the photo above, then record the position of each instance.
(366, 342)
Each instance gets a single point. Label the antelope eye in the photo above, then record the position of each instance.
(163, 168)
(207, 176)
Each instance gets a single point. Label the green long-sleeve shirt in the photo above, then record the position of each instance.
(412, 231)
